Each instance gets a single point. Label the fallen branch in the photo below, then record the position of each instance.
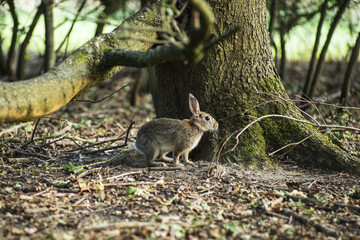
(30, 154)
(85, 173)
(305, 220)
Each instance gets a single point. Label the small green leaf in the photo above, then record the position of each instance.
(74, 169)
(150, 15)
(134, 190)
(29, 128)
(309, 212)
(234, 228)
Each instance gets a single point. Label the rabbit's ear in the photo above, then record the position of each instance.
(194, 105)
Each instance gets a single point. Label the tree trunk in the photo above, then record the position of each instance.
(2, 57)
(20, 70)
(111, 6)
(312, 63)
(274, 11)
(11, 55)
(283, 32)
(49, 59)
(347, 78)
(236, 82)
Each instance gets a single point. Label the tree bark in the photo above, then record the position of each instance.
(49, 58)
(236, 82)
(283, 32)
(111, 6)
(312, 63)
(347, 78)
(274, 11)
(2, 57)
(11, 54)
(20, 70)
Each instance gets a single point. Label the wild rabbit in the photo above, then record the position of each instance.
(163, 135)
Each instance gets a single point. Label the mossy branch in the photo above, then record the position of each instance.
(160, 54)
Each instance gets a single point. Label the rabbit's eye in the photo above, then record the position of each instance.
(207, 118)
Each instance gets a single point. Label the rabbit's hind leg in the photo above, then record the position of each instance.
(165, 158)
(151, 156)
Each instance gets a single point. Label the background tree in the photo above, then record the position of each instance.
(49, 59)
(11, 53)
(20, 70)
(311, 85)
(309, 75)
(284, 16)
(347, 78)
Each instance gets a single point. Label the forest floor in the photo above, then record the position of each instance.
(63, 186)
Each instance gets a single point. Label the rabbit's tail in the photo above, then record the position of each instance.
(137, 149)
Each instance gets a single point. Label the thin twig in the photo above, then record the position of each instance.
(95, 144)
(120, 225)
(83, 174)
(33, 132)
(14, 128)
(130, 184)
(166, 168)
(124, 174)
(59, 139)
(292, 144)
(69, 154)
(79, 201)
(42, 192)
(106, 97)
(30, 154)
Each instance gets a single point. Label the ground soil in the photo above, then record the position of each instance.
(62, 186)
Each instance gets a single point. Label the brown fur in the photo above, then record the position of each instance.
(163, 135)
